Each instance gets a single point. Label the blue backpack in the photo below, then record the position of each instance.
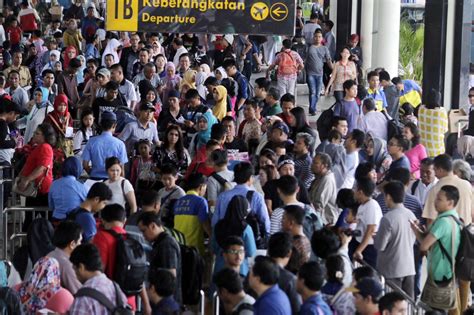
(124, 116)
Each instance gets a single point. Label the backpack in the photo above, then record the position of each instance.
(243, 307)
(312, 221)
(393, 128)
(222, 181)
(192, 270)
(324, 122)
(39, 239)
(177, 235)
(124, 116)
(415, 186)
(9, 302)
(258, 228)
(287, 64)
(120, 308)
(131, 265)
(464, 268)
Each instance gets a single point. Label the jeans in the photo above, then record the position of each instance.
(315, 82)
(339, 95)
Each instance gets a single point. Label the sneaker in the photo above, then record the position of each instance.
(312, 113)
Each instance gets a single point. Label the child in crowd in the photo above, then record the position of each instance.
(169, 194)
(142, 175)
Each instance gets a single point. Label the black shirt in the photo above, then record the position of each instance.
(271, 193)
(237, 144)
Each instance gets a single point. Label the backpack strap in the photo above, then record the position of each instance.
(220, 179)
(165, 198)
(96, 295)
(441, 246)
(249, 197)
(415, 186)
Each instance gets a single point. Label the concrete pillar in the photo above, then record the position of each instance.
(388, 41)
(366, 29)
(333, 14)
(354, 17)
(448, 63)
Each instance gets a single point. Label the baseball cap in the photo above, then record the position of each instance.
(173, 93)
(147, 106)
(367, 286)
(108, 116)
(104, 72)
(229, 38)
(282, 126)
(285, 160)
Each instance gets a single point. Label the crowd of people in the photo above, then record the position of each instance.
(168, 170)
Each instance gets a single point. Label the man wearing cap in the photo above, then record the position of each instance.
(143, 128)
(279, 135)
(101, 147)
(103, 77)
(367, 293)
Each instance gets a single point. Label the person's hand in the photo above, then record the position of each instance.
(326, 92)
(23, 183)
(146, 309)
(358, 256)
(345, 239)
(415, 226)
(188, 123)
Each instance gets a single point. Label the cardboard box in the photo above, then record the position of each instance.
(457, 119)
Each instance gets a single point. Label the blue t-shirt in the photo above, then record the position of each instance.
(273, 301)
(315, 305)
(87, 222)
(402, 162)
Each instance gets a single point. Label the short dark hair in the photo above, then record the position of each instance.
(395, 190)
(274, 93)
(47, 71)
(113, 212)
(401, 141)
(369, 104)
(288, 97)
(287, 43)
(329, 23)
(195, 180)
(334, 134)
(452, 193)
(243, 172)
(183, 56)
(336, 119)
(65, 233)
(345, 198)
(150, 197)
(228, 118)
(88, 255)
(427, 161)
(107, 124)
(280, 245)
(111, 161)
(263, 83)
(400, 174)
(100, 190)
(287, 185)
(366, 186)
(359, 137)
(178, 41)
(219, 157)
(363, 169)
(397, 80)
(169, 169)
(191, 94)
(384, 76)
(211, 81)
(318, 31)
(92, 60)
(266, 269)
(444, 162)
(49, 133)
(149, 217)
(387, 302)
(218, 131)
(296, 213)
(372, 74)
(232, 241)
(229, 63)
(163, 281)
(230, 280)
(325, 242)
(363, 272)
(312, 275)
(348, 84)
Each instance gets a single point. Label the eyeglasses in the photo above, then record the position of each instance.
(235, 251)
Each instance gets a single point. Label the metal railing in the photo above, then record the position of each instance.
(16, 215)
(414, 307)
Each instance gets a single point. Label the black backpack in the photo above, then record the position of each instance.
(192, 270)
(124, 116)
(324, 122)
(258, 228)
(120, 308)
(393, 127)
(39, 239)
(131, 265)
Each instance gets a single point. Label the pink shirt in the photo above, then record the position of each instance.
(415, 155)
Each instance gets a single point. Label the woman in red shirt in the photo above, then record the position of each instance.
(38, 168)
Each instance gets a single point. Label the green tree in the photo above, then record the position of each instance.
(411, 51)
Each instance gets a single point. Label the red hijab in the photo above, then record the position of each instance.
(61, 98)
(66, 57)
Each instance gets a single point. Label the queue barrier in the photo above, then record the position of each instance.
(15, 215)
(414, 307)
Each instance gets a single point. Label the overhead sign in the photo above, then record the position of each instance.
(202, 16)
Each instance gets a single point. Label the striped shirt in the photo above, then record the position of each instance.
(303, 169)
(277, 216)
(411, 202)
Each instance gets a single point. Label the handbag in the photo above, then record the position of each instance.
(31, 189)
(438, 296)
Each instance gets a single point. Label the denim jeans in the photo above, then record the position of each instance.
(315, 83)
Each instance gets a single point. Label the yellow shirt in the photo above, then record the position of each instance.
(433, 124)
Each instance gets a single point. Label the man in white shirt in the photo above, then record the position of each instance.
(353, 144)
(179, 48)
(422, 186)
(373, 121)
(368, 218)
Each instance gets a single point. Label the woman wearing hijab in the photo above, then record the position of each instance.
(67, 193)
(62, 123)
(43, 283)
(200, 78)
(220, 74)
(148, 94)
(189, 79)
(112, 48)
(54, 56)
(171, 81)
(39, 108)
(80, 71)
(220, 97)
(376, 153)
(69, 54)
(234, 224)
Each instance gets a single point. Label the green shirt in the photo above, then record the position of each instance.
(438, 264)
